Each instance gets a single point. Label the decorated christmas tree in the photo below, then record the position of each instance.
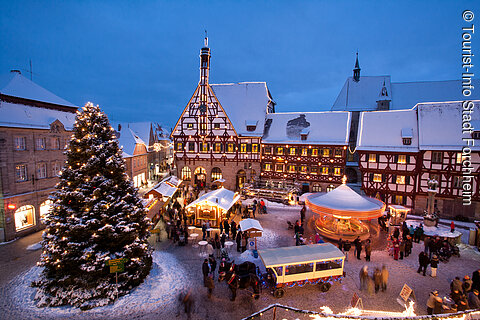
(96, 216)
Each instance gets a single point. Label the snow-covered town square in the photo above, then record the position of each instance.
(239, 160)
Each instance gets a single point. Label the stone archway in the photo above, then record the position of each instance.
(200, 175)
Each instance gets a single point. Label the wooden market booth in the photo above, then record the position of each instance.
(212, 206)
(252, 228)
(398, 214)
(159, 196)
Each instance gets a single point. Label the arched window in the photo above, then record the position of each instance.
(330, 188)
(186, 173)
(24, 217)
(216, 174)
(45, 209)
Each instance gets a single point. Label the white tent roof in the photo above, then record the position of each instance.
(250, 224)
(221, 197)
(343, 198)
(329, 128)
(167, 186)
(299, 254)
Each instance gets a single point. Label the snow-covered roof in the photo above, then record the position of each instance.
(344, 201)
(364, 94)
(383, 130)
(23, 116)
(221, 197)
(127, 139)
(299, 254)
(245, 104)
(167, 187)
(16, 85)
(330, 128)
(250, 224)
(440, 125)
(432, 126)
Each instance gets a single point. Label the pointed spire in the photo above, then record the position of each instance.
(206, 39)
(356, 70)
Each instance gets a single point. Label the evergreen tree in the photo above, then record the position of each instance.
(96, 216)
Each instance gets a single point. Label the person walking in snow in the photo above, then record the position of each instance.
(467, 284)
(363, 277)
(302, 213)
(204, 231)
(226, 227)
(452, 226)
(346, 248)
(238, 239)
(423, 262)
(434, 265)
(368, 250)
(233, 227)
(377, 279)
(358, 247)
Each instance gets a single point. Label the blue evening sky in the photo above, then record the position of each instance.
(139, 59)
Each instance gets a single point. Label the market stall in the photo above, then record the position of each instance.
(251, 228)
(212, 206)
(159, 196)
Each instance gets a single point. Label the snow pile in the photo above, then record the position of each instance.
(160, 289)
(35, 246)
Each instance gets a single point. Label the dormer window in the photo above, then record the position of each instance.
(251, 125)
(407, 135)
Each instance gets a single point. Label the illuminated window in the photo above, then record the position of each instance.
(338, 153)
(315, 152)
(377, 177)
(459, 158)
(268, 166)
(291, 151)
(402, 159)
(437, 157)
(316, 188)
(304, 151)
(372, 157)
(55, 143)
(330, 188)
(243, 148)
(20, 143)
(21, 172)
(303, 169)
(291, 168)
(279, 167)
(41, 170)
(40, 144)
(216, 174)
(400, 200)
(189, 125)
(255, 148)
(204, 147)
(186, 173)
(400, 180)
(279, 150)
(24, 217)
(326, 152)
(230, 148)
(218, 147)
(179, 146)
(324, 170)
(337, 171)
(45, 208)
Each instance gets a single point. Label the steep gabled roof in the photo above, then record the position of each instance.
(128, 139)
(329, 128)
(14, 84)
(244, 102)
(361, 95)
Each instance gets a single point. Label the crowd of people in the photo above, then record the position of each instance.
(375, 281)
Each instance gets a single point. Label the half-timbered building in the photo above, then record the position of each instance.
(308, 148)
(401, 150)
(218, 134)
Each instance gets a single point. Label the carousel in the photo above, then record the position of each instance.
(338, 213)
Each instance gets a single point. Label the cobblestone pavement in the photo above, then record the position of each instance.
(275, 235)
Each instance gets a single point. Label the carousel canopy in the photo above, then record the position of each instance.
(299, 254)
(166, 187)
(221, 198)
(343, 202)
(250, 225)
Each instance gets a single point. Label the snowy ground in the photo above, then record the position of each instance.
(179, 268)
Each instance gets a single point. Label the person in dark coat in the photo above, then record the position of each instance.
(204, 231)
(377, 279)
(205, 269)
(358, 246)
(346, 248)
(233, 226)
(238, 239)
(186, 299)
(213, 265)
(434, 265)
(368, 250)
(467, 284)
(221, 227)
(456, 284)
(408, 246)
(473, 300)
(296, 228)
(476, 280)
(226, 227)
(340, 244)
(302, 213)
(423, 261)
(223, 238)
